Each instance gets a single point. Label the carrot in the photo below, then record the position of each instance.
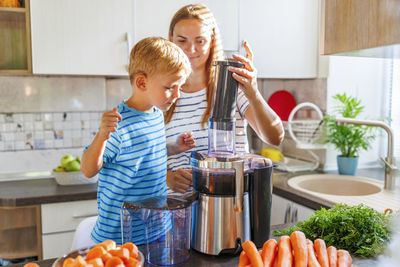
(299, 245)
(243, 259)
(251, 250)
(285, 257)
(343, 258)
(322, 254)
(332, 256)
(268, 252)
(312, 259)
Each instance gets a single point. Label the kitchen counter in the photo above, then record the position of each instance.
(201, 260)
(43, 191)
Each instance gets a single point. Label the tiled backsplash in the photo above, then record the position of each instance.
(28, 131)
(43, 118)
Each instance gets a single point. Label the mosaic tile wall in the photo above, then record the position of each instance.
(29, 131)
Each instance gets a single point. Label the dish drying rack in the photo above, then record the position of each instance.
(306, 133)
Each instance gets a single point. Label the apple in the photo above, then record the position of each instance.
(59, 169)
(78, 159)
(73, 166)
(65, 159)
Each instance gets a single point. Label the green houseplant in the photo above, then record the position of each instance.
(348, 139)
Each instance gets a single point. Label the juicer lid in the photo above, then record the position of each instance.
(164, 202)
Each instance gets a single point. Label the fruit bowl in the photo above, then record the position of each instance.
(73, 178)
(82, 252)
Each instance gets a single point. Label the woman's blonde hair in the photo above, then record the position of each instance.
(204, 15)
(157, 55)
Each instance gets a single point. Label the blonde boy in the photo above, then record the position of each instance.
(130, 150)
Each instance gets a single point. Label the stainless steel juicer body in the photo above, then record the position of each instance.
(221, 214)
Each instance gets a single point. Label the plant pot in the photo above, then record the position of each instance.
(346, 165)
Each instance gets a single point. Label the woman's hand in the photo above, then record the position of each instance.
(261, 117)
(247, 75)
(180, 180)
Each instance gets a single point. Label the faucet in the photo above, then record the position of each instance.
(388, 161)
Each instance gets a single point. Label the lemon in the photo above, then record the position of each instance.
(272, 153)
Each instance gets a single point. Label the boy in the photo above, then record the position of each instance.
(130, 150)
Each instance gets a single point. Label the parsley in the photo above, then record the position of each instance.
(359, 229)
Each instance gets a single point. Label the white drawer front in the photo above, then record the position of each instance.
(65, 216)
(57, 245)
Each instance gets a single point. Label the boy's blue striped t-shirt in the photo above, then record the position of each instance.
(135, 168)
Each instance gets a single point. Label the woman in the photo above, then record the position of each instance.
(194, 30)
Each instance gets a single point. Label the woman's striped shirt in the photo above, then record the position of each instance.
(187, 117)
(135, 161)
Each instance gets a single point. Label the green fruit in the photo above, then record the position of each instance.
(59, 169)
(66, 159)
(78, 159)
(73, 166)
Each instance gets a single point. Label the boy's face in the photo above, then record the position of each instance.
(163, 89)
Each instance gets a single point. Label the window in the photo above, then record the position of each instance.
(395, 106)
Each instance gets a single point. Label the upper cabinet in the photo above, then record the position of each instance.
(283, 35)
(81, 37)
(15, 44)
(367, 27)
(94, 37)
(152, 18)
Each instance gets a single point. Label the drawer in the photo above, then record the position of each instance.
(65, 216)
(57, 245)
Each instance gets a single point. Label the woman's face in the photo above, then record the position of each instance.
(194, 39)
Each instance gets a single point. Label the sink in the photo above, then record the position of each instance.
(334, 184)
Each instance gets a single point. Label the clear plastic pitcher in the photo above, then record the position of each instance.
(167, 221)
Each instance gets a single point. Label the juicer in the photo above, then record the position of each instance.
(234, 190)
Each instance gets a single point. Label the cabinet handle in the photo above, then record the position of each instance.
(84, 215)
(294, 215)
(128, 45)
(287, 213)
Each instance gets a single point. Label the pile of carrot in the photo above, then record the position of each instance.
(107, 254)
(294, 250)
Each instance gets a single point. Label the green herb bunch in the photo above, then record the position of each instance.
(359, 229)
(348, 139)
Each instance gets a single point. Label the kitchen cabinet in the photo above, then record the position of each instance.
(20, 232)
(15, 45)
(147, 23)
(283, 35)
(59, 221)
(358, 24)
(81, 37)
(286, 211)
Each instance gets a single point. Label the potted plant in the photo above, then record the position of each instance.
(348, 139)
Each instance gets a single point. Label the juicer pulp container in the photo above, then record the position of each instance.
(167, 221)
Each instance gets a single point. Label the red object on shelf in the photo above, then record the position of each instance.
(282, 102)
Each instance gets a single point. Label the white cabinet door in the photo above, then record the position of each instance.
(81, 37)
(57, 245)
(300, 213)
(152, 18)
(59, 221)
(280, 210)
(286, 211)
(283, 35)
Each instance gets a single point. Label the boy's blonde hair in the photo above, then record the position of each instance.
(205, 16)
(154, 55)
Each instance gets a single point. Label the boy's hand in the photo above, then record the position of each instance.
(109, 123)
(185, 142)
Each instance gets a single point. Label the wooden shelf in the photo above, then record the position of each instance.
(15, 40)
(20, 231)
(13, 9)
